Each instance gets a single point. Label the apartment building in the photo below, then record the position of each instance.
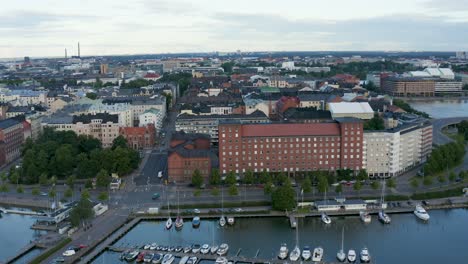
(409, 86)
(11, 139)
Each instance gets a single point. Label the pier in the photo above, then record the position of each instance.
(20, 212)
(24, 251)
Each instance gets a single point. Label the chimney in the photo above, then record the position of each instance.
(66, 57)
(79, 55)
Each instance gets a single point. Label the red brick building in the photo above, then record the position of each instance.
(11, 138)
(291, 147)
(189, 152)
(139, 137)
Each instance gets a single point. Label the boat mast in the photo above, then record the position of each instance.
(382, 198)
(342, 239)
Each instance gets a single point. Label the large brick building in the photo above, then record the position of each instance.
(411, 86)
(187, 153)
(11, 138)
(291, 147)
(139, 137)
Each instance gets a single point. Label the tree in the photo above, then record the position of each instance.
(375, 185)
(264, 177)
(441, 178)
(268, 187)
(376, 123)
(70, 181)
(68, 193)
(391, 183)
(119, 141)
(4, 187)
(53, 180)
(462, 175)
(35, 191)
(249, 177)
(283, 198)
(414, 183)
(82, 211)
(322, 184)
(91, 96)
(357, 187)
(427, 181)
(52, 192)
(227, 66)
(64, 160)
(362, 175)
(43, 179)
(306, 185)
(89, 184)
(339, 188)
(231, 178)
(233, 190)
(85, 194)
(215, 178)
(103, 179)
(20, 189)
(452, 176)
(197, 179)
(14, 177)
(3, 177)
(103, 196)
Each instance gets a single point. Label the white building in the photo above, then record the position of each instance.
(151, 116)
(361, 110)
(443, 73)
(448, 87)
(288, 65)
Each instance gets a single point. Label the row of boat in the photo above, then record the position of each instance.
(179, 222)
(317, 254)
(155, 258)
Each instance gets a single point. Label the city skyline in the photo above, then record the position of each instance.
(160, 26)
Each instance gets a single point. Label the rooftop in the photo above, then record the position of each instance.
(355, 107)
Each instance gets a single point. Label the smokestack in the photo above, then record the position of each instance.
(66, 57)
(79, 55)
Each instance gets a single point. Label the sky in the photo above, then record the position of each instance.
(43, 28)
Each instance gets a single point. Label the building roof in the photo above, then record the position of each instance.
(306, 113)
(276, 130)
(4, 124)
(86, 119)
(355, 107)
(181, 135)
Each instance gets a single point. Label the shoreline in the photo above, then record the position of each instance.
(431, 99)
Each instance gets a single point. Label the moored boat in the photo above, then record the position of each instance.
(196, 222)
(184, 260)
(157, 258)
(132, 255)
(421, 213)
(221, 260)
(317, 255)
(306, 254)
(148, 257)
(351, 256)
(325, 218)
(364, 255)
(168, 259)
(192, 260)
(365, 217)
(230, 220)
(205, 249)
(295, 254)
(384, 218)
(223, 249)
(196, 248)
(214, 249)
(283, 251)
(169, 223)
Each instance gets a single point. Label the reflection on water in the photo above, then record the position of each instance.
(405, 240)
(442, 108)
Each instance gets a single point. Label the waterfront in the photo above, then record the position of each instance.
(442, 108)
(405, 240)
(15, 233)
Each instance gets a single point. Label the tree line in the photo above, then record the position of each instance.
(444, 157)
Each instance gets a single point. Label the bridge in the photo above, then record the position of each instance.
(440, 138)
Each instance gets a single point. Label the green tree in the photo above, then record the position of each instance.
(68, 193)
(249, 177)
(452, 176)
(103, 179)
(231, 178)
(82, 211)
(362, 175)
(376, 123)
(427, 181)
(85, 194)
(306, 185)
(462, 175)
(53, 180)
(35, 191)
(70, 181)
(227, 66)
(43, 180)
(197, 179)
(322, 184)
(14, 177)
(3, 177)
(264, 177)
(103, 196)
(91, 96)
(89, 184)
(233, 190)
(52, 192)
(441, 178)
(358, 187)
(119, 141)
(215, 178)
(283, 198)
(339, 189)
(4, 187)
(20, 189)
(414, 183)
(64, 160)
(375, 185)
(268, 187)
(391, 183)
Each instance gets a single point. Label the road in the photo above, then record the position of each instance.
(440, 138)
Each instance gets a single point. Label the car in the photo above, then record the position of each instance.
(458, 180)
(160, 174)
(58, 260)
(156, 196)
(43, 194)
(196, 211)
(69, 252)
(425, 202)
(238, 210)
(349, 183)
(335, 184)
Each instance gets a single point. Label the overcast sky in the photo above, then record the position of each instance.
(105, 27)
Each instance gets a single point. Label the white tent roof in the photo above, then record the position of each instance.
(345, 107)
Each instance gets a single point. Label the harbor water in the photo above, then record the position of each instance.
(406, 240)
(442, 108)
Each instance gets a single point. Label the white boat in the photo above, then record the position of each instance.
(192, 260)
(148, 257)
(295, 254)
(179, 223)
(341, 255)
(187, 249)
(169, 223)
(152, 246)
(184, 260)
(351, 256)
(223, 249)
(214, 249)
(157, 258)
(205, 249)
(365, 217)
(196, 248)
(318, 254)
(384, 218)
(168, 259)
(306, 254)
(365, 256)
(222, 221)
(221, 260)
(283, 252)
(196, 222)
(132, 255)
(421, 213)
(147, 246)
(230, 220)
(325, 218)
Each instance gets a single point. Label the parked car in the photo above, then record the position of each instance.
(69, 252)
(196, 211)
(425, 202)
(156, 196)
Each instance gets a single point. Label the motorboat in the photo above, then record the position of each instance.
(325, 218)
(179, 223)
(222, 221)
(192, 260)
(148, 257)
(306, 253)
(223, 249)
(132, 255)
(153, 246)
(168, 259)
(157, 258)
(169, 223)
(205, 249)
(164, 248)
(295, 254)
(123, 255)
(283, 251)
(341, 255)
(159, 248)
(196, 248)
(365, 217)
(365, 256)
(317, 255)
(351, 256)
(171, 249)
(140, 257)
(421, 213)
(147, 246)
(230, 220)
(221, 260)
(178, 249)
(384, 218)
(184, 260)
(196, 222)
(187, 249)
(214, 249)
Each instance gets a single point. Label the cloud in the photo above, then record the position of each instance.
(448, 5)
(31, 19)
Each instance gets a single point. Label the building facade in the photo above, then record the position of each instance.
(11, 139)
(407, 87)
(139, 137)
(290, 147)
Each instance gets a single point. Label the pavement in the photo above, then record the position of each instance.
(440, 138)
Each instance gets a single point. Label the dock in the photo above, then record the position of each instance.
(25, 250)
(292, 221)
(20, 212)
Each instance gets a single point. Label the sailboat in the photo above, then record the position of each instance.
(214, 248)
(296, 252)
(222, 219)
(383, 217)
(325, 218)
(179, 222)
(341, 255)
(169, 219)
